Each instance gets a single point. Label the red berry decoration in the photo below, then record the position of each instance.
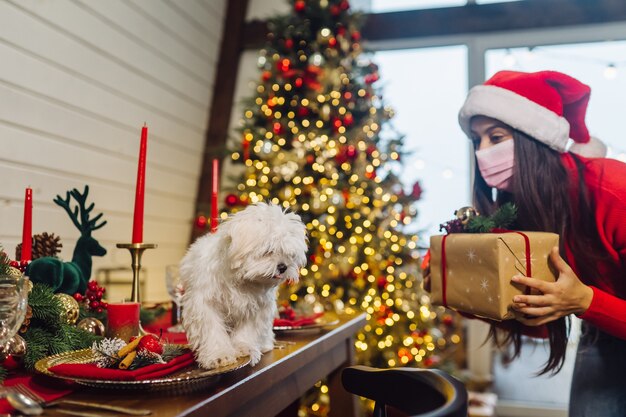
(150, 343)
(92, 298)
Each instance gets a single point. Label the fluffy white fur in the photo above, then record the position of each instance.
(230, 280)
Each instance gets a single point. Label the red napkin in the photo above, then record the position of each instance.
(47, 393)
(91, 371)
(298, 321)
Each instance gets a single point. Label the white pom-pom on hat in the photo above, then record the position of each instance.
(594, 148)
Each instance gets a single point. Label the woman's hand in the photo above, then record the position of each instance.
(567, 295)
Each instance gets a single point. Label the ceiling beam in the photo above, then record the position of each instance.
(221, 102)
(473, 19)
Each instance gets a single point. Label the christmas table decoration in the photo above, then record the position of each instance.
(71, 277)
(472, 266)
(144, 357)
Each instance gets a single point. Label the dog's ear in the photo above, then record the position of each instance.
(230, 246)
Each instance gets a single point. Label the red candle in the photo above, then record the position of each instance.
(214, 189)
(140, 188)
(246, 150)
(27, 227)
(122, 320)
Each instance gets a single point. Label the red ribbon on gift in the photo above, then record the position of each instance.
(444, 285)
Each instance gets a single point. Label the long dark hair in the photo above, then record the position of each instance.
(542, 191)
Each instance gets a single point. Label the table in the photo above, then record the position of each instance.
(271, 388)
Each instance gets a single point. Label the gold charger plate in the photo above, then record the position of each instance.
(189, 377)
(320, 323)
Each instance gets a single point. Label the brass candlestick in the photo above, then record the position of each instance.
(136, 251)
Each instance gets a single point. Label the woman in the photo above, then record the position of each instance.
(520, 124)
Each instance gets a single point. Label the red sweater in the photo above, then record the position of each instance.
(606, 182)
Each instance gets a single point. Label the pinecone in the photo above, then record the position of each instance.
(43, 245)
(27, 317)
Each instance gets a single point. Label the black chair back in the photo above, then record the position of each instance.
(416, 392)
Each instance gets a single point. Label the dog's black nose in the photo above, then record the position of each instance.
(282, 268)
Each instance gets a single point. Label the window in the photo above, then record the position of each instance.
(426, 87)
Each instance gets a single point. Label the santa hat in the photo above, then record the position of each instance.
(549, 106)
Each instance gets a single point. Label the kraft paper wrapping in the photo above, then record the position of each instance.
(479, 268)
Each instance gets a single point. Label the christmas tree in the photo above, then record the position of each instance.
(315, 138)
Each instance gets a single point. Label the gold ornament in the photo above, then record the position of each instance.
(12, 353)
(27, 317)
(70, 308)
(91, 325)
(14, 272)
(465, 214)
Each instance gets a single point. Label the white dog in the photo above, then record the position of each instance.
(230, 280)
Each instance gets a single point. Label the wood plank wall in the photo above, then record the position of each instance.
(78, 78)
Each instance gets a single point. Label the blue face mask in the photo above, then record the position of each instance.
(496, 164)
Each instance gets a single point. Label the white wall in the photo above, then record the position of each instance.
(78, 78)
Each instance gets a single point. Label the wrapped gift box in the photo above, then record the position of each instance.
(478, 268)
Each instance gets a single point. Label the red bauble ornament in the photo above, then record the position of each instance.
(370, 78)
(298, 82)
(201, 222)
(351, 152)
(231, 200)
(299, 6)
(278, 128)
(345, 5)
(346, 195)
(448, 320)
(289, 43)
(335, 10)
(356, 35)
(310, 159)
(284, 65)
(303, 111)
(348, 119)
(382, 281)
(416, 193)
(332, 42)
(266, 75)
(150, 343)
(337, 124)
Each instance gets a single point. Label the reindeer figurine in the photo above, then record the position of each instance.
(71, 277)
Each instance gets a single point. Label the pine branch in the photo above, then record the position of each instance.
(77, 338)
(45, 307)
(480, 224)
(505, 216)
(37, 340)
(501, 219)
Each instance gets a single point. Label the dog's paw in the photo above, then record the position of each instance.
(216, 361)
(255, 356)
